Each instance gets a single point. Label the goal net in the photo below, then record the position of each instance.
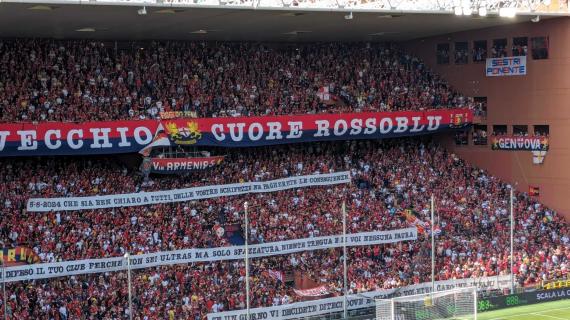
(458, 304)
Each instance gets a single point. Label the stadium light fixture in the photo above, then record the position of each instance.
(458, 11)
(507, 12)
(341, 4)
(466, 7)
(459, 7)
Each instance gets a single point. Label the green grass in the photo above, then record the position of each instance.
(556, 310)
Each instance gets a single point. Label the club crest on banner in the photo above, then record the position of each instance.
(538, 157)
(458, 120)
(190, 134)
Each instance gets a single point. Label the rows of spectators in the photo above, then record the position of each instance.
(388, 177)
(498, 51)
(43, 80)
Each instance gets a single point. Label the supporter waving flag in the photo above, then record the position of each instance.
(411, 217)
(160, 140)
(275, 274)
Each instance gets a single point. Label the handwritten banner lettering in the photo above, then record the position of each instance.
(507, 66)
(68, 268)
(188, 194)
(363, 300)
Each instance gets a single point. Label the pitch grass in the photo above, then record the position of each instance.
(556, 310)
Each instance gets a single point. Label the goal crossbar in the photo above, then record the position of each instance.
(459, 303)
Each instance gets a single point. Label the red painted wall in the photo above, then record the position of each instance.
(540, 97)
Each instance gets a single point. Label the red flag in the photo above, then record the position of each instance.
(533, 191)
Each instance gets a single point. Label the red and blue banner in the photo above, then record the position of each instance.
(64, 138)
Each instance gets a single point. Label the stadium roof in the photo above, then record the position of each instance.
(126, 23)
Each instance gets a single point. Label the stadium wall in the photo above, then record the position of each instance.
(542, 97)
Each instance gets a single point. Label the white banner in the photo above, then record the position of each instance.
(508, 66)
(313, 292)
(336, 304)
(68, 268)
(188, 194)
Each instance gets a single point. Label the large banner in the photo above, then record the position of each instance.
(188, 194)
(182, 165)
(53, 138)
(362, 300)
(515, 143)
(507, 66)
(68, 268)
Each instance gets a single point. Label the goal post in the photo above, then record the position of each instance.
(456, 304)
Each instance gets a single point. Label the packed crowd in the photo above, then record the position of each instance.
(43, 80)
(520, 50)
(479, 54)
(388, 177)
(498, 51)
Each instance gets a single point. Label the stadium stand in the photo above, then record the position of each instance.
(42, 80)
(388, 177)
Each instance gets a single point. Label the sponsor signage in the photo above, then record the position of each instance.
(53, 138)
(182, 165)
(521, 299)
(515, 143)
(184, 256)
(507, 66)
(180, 195)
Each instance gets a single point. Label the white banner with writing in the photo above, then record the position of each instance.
(188, 194)
(507, 66)
(68, 268)
(363, 300)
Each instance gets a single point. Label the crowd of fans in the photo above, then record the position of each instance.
(387, 178)
(498, 51)
(42, 80)
(520, 50)
(479, 54)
